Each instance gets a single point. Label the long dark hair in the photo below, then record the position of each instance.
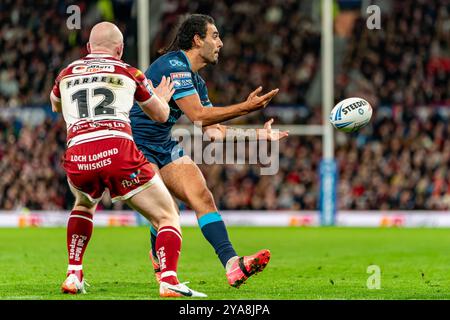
(194, 24)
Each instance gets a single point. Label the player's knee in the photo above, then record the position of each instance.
(169, 218)
(168, 213)
(87, 209)
(204, 195)
(84, 202)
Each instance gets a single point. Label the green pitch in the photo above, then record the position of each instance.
(306, 263)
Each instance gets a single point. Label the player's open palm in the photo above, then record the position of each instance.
(165, 88)
(256, 102)
(272, 135)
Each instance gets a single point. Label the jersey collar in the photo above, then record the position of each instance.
(187, 59)
(99, 55)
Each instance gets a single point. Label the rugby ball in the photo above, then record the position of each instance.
(351, 114)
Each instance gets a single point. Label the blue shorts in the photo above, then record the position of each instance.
(161, 155)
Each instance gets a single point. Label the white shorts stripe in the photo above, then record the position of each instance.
(97, 135)
(168, 274)
(171, 230)
(78, 216)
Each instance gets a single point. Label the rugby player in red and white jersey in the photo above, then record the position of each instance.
(95, 95)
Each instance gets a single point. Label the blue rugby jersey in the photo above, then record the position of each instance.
(154, 135)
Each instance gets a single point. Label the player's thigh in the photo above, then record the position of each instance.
(84, 182)
(186, 182)
(156, 169)
(156, 204)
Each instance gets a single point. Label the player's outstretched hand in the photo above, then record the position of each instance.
(165, 89)
(255, 102)
(272, 135)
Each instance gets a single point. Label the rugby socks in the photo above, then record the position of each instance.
(214, 230)
(168, 247)
(153, 235)
(79, 231)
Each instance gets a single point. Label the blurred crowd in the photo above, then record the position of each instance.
(276, 44)
(30, 170)
(36, 43)
(270, 43)
(399, 161)
(405, 62)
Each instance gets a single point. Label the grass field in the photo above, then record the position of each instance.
(307, 263)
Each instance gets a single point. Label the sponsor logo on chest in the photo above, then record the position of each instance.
(181, 80)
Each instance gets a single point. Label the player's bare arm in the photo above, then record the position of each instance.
(219, 132)
(157, 109)
(194, 110)
(56, 103)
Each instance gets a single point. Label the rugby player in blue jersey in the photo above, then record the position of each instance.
(196, 45)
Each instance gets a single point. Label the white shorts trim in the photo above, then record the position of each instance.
(155, 180)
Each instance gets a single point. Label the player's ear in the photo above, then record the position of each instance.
(198, 41)
(119, 50)
(88, 47)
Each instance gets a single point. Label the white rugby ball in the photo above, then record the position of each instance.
(351, 114)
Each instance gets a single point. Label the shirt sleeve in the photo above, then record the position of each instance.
(56, 93)
(180, 74)
(143, 91)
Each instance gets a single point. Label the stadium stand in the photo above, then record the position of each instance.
(272, 45)
(407, 62)
(36, 44)
(401, 159)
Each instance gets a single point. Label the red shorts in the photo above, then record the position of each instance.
(113, 163)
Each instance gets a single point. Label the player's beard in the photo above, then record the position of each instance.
(215, 61)
(211, 59)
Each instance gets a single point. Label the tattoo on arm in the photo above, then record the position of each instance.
(238, 134)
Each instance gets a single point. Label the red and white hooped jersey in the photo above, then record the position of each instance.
(96, 94)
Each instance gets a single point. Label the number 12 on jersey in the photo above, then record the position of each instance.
(82, 97)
